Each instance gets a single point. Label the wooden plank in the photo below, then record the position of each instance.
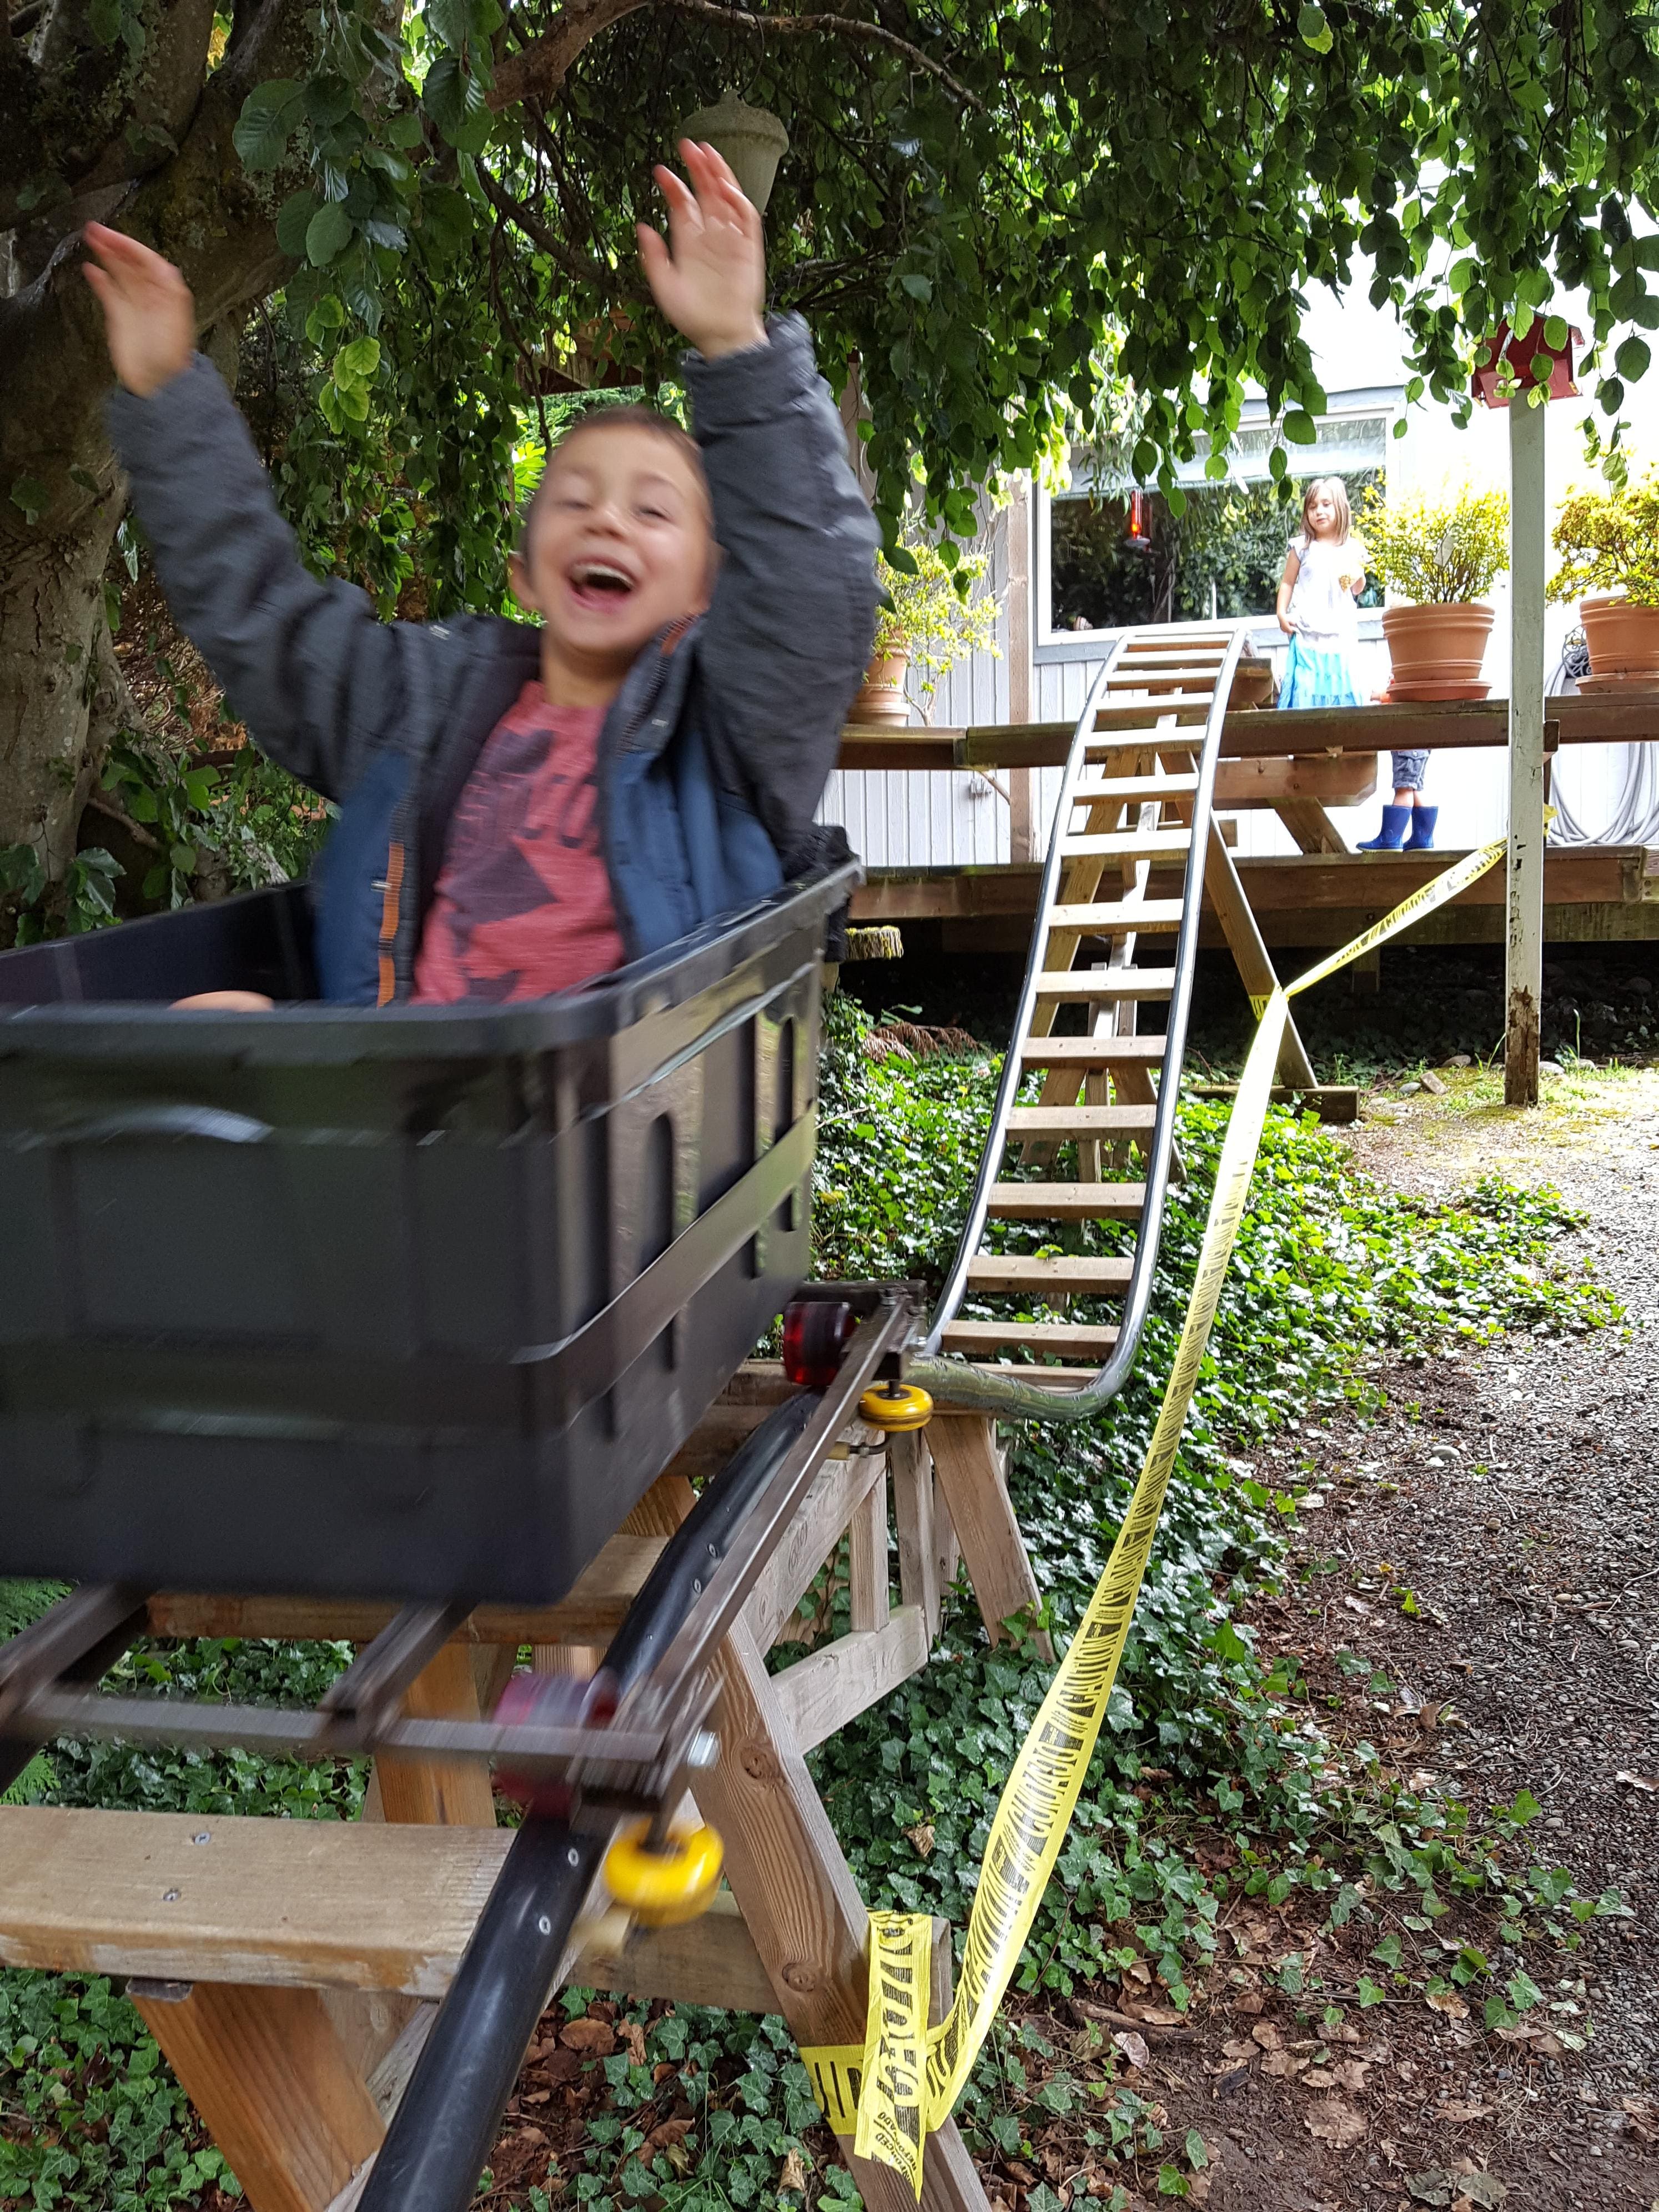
(1345, 780)
(273, 2084)
(1143, 789)
(453, 1793)
(1072, 1276)
(831, 1686)
(1102, 919)
(590, 1615)
(1093, 1051)
(1311, 827)
(911, 1465)
(1255, 971)
(327, 1904)
(969, 1470)
(1085, 986)
(1067, 1201)
(838, 1489)
(867, 1561)
(1080, 1121)
(1337, 1103)
(1130, 845)
(1039, 1336)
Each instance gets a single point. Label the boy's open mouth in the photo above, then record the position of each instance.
(600, 584)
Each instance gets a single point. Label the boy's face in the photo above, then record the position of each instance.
(619, 543)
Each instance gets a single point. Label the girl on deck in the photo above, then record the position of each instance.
(1324, 573)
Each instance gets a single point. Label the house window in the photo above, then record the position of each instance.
(1110, 557)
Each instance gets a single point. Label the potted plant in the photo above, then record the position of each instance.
(1440, 554)
(928, 623)
(1609, 541)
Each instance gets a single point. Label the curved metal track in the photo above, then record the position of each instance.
(1152, 720)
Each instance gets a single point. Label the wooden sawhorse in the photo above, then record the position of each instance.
(289, 1970)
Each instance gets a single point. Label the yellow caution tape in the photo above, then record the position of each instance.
(908, 2077)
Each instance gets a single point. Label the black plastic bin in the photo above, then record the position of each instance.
(408, 1302)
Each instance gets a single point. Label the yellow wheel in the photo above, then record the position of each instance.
(662, 1887)
(895, 1406)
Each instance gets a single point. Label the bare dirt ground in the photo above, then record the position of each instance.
(1514, 1492)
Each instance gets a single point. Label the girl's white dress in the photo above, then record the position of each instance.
(1325, 621)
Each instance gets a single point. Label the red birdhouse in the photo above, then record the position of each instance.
(1519, 354)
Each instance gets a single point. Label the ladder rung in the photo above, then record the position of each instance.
(1175, 786)
(1073, 1275)
(1105, 920)
(1079, 1120)
(1089, 985)
(1039, 1335)
(1129, 720)
(1090, 1052)
(1129, 844)
(1177, 656)
(1160, 680)
(1067, 1201)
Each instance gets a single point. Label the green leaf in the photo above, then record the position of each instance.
(919, 288)
(1631, 358)
(356, 362)
(1198, 2151)
(454, 98)
(1367, 1991)
(1172, 2182)
(293, 219)
(267, 123)
(1228, 1642)
(328, 232)
(1388, 1951)
(29, 494)
(1300, 427)
(1555, 332)
(446, 219)
(1312, 28)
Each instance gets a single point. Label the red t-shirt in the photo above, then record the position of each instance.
(523, 905)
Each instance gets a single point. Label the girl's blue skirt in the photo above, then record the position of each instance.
(1317, 676)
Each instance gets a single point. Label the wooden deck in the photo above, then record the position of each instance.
(1305, 761)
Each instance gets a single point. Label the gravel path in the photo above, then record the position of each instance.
(1514, 1490)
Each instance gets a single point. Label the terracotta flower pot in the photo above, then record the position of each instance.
(1436, 651)
(1623, 641)
(881, 697)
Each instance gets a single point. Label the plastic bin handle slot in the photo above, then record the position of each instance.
(212, 1123)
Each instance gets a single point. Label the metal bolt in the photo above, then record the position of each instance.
(545, 1924)
(573, 1858)
(169, 1897)
(704, 1750)
(696, 1585)
(202, 1838)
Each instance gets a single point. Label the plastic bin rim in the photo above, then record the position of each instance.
(603, 1008)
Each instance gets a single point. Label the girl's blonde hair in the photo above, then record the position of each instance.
(1337, 492)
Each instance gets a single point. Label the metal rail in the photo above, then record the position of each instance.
(959, 1383)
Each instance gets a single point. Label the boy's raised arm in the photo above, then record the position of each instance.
(292, 653)
(789, 629)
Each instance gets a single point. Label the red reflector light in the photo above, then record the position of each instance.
(816, 1332)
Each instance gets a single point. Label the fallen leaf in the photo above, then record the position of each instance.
(1133, 2047)
(530, 2137)
(1334, 2123)
(1319, 2077)
(1485, 2190)
(1249, 2000)
(1636, 1782)
(1162, 2015)
(1351, 2074)
(597, 2036)
(923, 1837)
(1236, 2050)
(535, 2096)
(1433, 2187)
(1459, 2110)
(1449, 2002)
(1267, 2035)
(794, 2175)
(1283, 2063)
(1023, 2174)
(1138, 1970)
(634, 2037)
(669, 2132)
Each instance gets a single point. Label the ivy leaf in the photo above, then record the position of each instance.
(1313, 29)
(267, 122)
(328, 232)
(293, 220)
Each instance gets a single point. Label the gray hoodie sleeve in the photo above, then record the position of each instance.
(306, 665)
(789, 629)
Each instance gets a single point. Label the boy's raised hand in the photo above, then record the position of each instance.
(150, 318)
(709, 277)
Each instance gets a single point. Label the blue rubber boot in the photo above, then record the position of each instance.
(1392, 836)
(1423, 821)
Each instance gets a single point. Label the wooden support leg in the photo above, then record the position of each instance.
(1255, 969)
(912, 1466)
(971, 1479)
(866, 1562)
(273, 2083)
(798, 1897)
(451, 1793)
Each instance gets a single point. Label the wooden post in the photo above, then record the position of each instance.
(971, 1482)
(1523, 966)
(1023, 837)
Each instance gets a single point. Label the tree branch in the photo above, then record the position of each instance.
(841, 26)
(585, 272)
